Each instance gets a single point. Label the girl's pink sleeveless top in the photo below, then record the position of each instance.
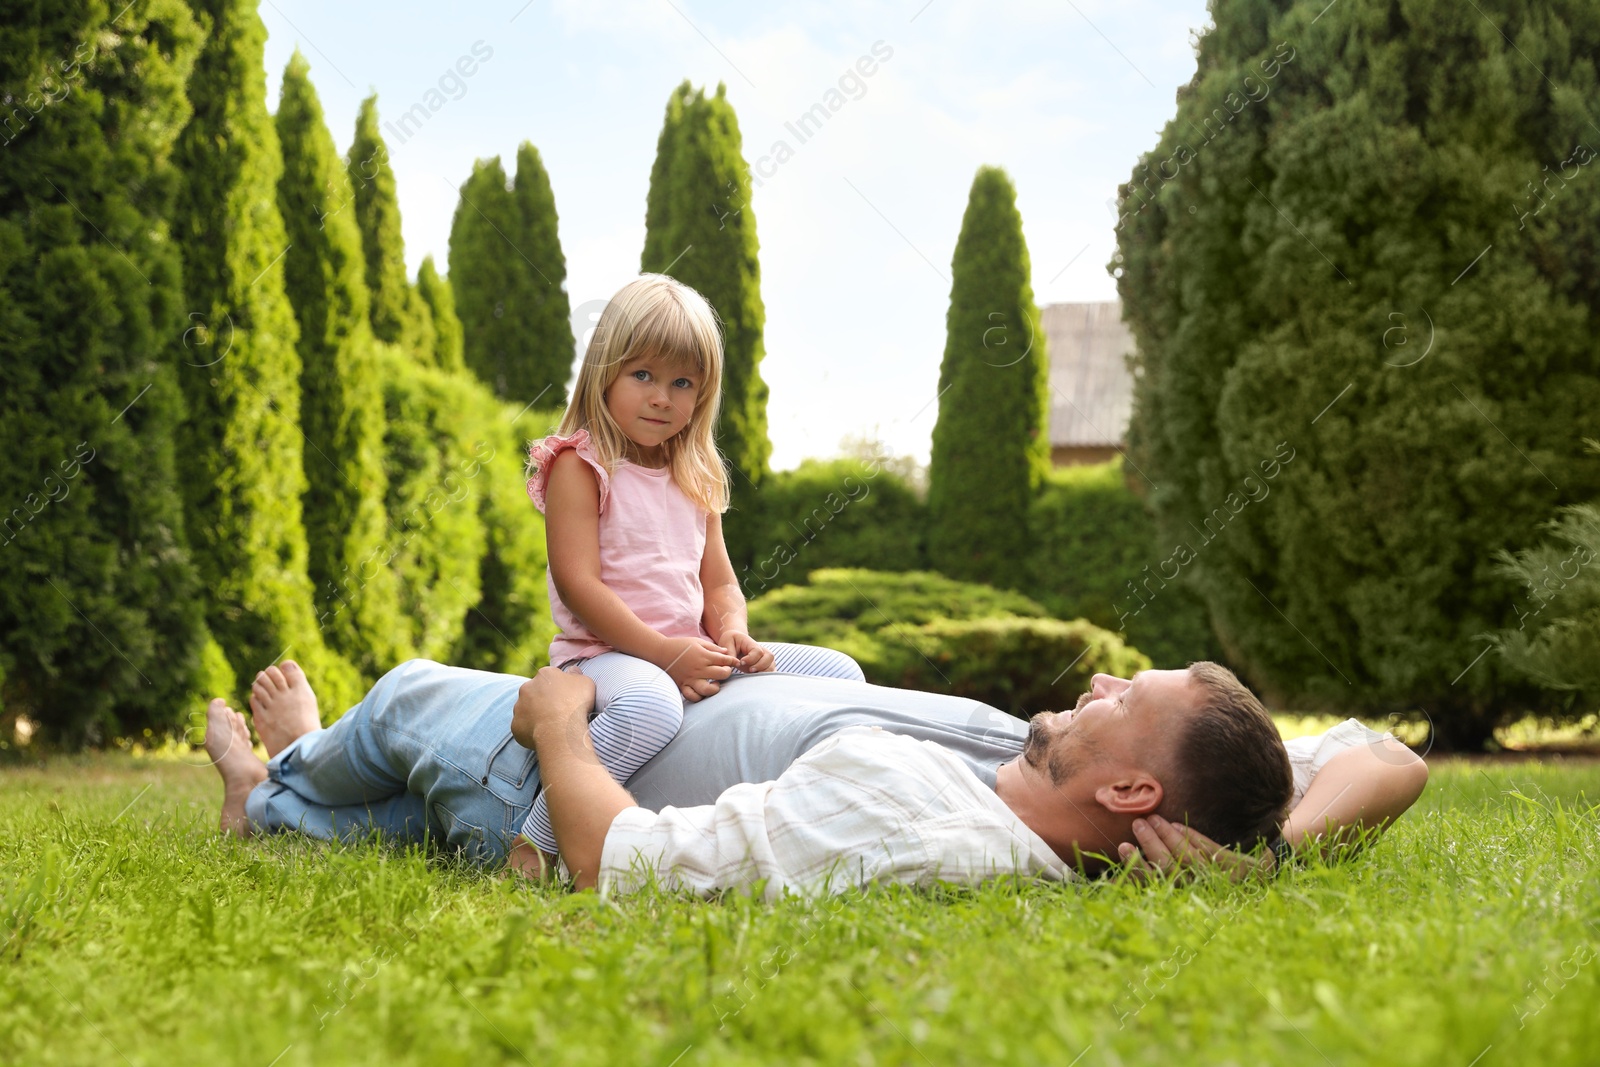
(652, 538)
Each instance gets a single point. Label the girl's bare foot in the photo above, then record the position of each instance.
(283, 705)
(228, 745)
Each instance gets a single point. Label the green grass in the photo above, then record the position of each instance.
(131, 933)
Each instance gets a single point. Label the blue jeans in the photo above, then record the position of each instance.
(427, 755)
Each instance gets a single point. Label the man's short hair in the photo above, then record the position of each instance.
(1230, 776)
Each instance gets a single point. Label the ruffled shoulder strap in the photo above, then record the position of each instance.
(542, 455)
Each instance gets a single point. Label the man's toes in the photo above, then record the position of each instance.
(279, 683)
(291, 672)
(220, 736)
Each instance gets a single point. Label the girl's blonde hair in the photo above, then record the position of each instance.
(655, 315)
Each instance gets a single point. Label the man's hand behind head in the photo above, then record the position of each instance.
(1174, 849)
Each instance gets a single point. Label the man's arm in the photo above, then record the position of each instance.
(551, 717)
(1365, 787)
(1362, 788)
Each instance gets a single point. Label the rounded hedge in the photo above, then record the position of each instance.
(920, 630)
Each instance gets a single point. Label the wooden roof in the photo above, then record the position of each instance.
(1091, 388)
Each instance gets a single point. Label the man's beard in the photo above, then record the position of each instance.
(1034, 746)
(1056, 755)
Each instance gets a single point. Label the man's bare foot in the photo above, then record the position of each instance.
(284, 707)
(228, 745)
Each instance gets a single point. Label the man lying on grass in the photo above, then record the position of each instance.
(781, 779)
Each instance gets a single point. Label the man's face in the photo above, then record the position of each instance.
(1117, 718)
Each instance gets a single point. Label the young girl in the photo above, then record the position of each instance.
(633, 489)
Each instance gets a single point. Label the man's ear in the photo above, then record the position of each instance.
(1132, 793)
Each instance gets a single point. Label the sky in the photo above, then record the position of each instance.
(856, 227)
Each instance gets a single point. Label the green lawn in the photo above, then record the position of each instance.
(133, 934)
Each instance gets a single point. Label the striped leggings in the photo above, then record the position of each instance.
(640, 709)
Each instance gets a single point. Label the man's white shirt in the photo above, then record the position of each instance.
(1308, 755)
(866, 805)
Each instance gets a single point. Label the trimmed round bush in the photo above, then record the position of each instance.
(1022, 665)
(920, 630)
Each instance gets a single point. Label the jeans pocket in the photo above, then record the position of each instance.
(480, 832)
(510, 763)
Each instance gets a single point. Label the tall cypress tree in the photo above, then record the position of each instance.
(658, 253)
(377, 210)
(485, 279)
(990, 446)
(507, 270)
(422, 339)
(439, 303)
(432, 416)
(543, 311)
(398, 315)
(435, 537)
(101, 623)
(243, 465)
(699, 228)
(341, 407)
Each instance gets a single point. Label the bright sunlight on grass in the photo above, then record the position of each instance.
(134, 934)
